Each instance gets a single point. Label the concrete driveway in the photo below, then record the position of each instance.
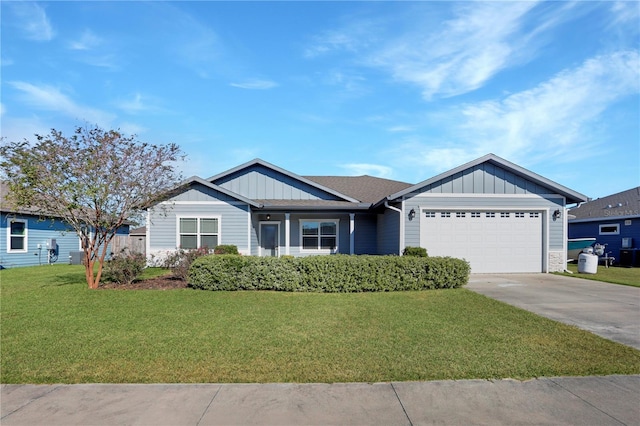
(609, 310)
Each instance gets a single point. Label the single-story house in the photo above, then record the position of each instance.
(613, 220)
(493, 213)
(27, 238)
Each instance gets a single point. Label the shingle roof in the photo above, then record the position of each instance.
(367, 189)
(621, 204)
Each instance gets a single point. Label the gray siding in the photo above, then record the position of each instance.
(233, 223)
(485, 178)
(198, 192)
(261, 183)
(366, 234)
(389, 232)
(556, 228)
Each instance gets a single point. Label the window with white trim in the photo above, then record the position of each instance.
(17, 236)
(198, 232)
(319, 235)
(610, 229)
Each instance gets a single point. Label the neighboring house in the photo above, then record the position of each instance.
(497, 215)
(27, 238)
(613, 220)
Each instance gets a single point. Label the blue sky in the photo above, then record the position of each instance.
(401, 90)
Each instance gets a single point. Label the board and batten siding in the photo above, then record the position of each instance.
(388, 238)
(485, 178)
(261, 183)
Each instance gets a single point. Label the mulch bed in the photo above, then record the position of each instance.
(158, 283)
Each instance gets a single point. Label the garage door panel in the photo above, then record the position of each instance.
(490, 241)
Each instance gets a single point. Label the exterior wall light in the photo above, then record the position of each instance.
(412, 214)
(557, 214)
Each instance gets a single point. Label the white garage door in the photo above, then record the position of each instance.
(492, 241)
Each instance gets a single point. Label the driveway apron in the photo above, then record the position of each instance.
(609, 310)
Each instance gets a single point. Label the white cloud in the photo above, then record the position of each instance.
(139, 103)
(52, 99)
(461, 55)
(550, 121)
(87, 41)
(33, 21)
(255, 84)
(357, 169)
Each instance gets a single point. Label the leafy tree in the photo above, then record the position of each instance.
(95, 180)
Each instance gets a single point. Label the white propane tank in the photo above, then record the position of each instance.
(587, 263)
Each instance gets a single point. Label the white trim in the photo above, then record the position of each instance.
(208, 203)
(616, 232)
(148, 233)
(319, 251)
(268, 222)
(287, 233)
(545, 214)
(198, 235)
(25, 236)
(463, 195)
(352, 228)
(248, 230)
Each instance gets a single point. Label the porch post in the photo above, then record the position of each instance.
(287, 236)
(352, 225)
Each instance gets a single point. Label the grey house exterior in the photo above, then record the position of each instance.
(497, 215)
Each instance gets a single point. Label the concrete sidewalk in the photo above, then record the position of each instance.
(606, 400)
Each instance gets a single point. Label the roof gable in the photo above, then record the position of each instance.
(260, 180)
(210, 189)
(491, 174)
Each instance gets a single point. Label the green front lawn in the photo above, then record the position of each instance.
(614, 274)
(54, 330)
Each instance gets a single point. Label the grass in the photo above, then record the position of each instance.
(614, 275)
(54, 330)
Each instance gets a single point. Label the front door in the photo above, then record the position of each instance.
(269, 239)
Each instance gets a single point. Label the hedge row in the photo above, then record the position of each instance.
(330, 274)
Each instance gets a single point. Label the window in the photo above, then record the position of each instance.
(520, 214)
(445, 214)
(504, 214)
(430, 214)
(475, 214)
(319, 235)
(198, 232)
(490, 214)
(533, 214)
(17, 236)
(460, 214)
(610, 229)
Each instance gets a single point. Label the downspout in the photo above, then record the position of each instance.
(401, 239)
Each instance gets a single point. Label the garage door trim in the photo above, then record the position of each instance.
(543, 211)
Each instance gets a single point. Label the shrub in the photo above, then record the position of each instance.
(415, 251)
(125, 267)
(331, 274)
(226, 249)
(180, 261)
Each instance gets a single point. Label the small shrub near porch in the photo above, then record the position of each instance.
(329, 274)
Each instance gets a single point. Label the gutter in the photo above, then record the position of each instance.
(401, 239)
